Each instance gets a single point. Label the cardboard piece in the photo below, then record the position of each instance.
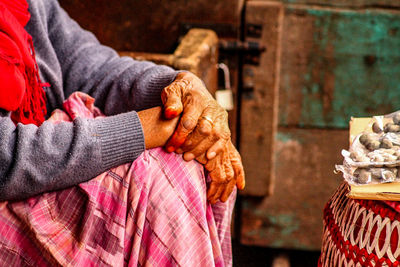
(386, 191)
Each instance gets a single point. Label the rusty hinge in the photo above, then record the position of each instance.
(253, 30)
(250, 50)
(240, 46)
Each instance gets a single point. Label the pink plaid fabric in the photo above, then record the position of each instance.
(152, 212)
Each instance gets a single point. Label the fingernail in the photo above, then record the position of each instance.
(171, 112)
(188, 156)
(211, 155)
(170, 149)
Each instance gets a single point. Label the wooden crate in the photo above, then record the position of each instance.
(292, 216)
(338, 63)
(339, 59)
(346, 3)
(259, 103)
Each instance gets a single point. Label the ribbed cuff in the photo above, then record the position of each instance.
(151, 95)
(121, 137)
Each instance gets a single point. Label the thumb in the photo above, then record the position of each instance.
(172, 100)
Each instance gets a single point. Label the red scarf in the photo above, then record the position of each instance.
(21, 90)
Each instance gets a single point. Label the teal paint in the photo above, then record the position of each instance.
(362, 90)
(283, 137)
(280, 229)
(278, 243)
(343, 42)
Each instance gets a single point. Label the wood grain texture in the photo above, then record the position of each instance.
(338, 63)
(346, 3)
(197, 52)
(149, 26)
(292, 217)
(259, 107)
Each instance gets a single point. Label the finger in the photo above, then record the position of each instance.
(239, 171)
(171, 97)
(214, 199)
(212, 189)
(216, 148)
(204, 145)
(173, 107)
(186, 124)
(202, 159)
(199, 150)
(229, 173)
(228, 191)
(204, 128)
(216, 170)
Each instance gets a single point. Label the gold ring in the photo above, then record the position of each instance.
(208, 119)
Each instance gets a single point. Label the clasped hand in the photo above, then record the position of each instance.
(203, 134)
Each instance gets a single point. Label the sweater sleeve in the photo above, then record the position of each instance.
(56, 156)
(118, 84)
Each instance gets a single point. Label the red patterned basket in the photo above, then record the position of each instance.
(360, 232)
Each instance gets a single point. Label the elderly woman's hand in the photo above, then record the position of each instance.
(203, 134)
(202, 118)
(226, 172)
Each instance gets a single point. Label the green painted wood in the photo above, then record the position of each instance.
(337, 64)
(304, 180)
(344, 3)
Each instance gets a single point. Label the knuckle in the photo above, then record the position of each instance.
(188, 123)
(215, 137)
(204, 130)
(218, 177)
(188, 99)
(225, 135)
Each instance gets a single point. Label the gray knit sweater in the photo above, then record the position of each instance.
(55, 156)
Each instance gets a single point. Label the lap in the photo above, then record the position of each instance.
(153, 210)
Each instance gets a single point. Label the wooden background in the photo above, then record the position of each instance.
(338, 59)
(325, 62)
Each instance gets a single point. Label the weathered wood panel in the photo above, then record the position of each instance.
(346, 3)
(338, 63)
(151, 26)
(259, 105)
(292, 216)
(197, 52)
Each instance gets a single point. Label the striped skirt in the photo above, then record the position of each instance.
(152, 212)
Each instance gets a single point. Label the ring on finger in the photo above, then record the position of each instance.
(208, 119)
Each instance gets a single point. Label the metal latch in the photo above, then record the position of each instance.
(225, 97)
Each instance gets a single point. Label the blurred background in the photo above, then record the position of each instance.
(291, 73)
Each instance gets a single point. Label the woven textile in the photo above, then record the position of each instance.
(360, 232)
(152, 212)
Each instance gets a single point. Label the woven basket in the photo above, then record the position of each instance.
(360, 232)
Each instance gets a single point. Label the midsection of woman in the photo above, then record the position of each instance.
(71, 59)
(66, 219)
(152, 212)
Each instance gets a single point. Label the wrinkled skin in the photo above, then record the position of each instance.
(197, 138)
